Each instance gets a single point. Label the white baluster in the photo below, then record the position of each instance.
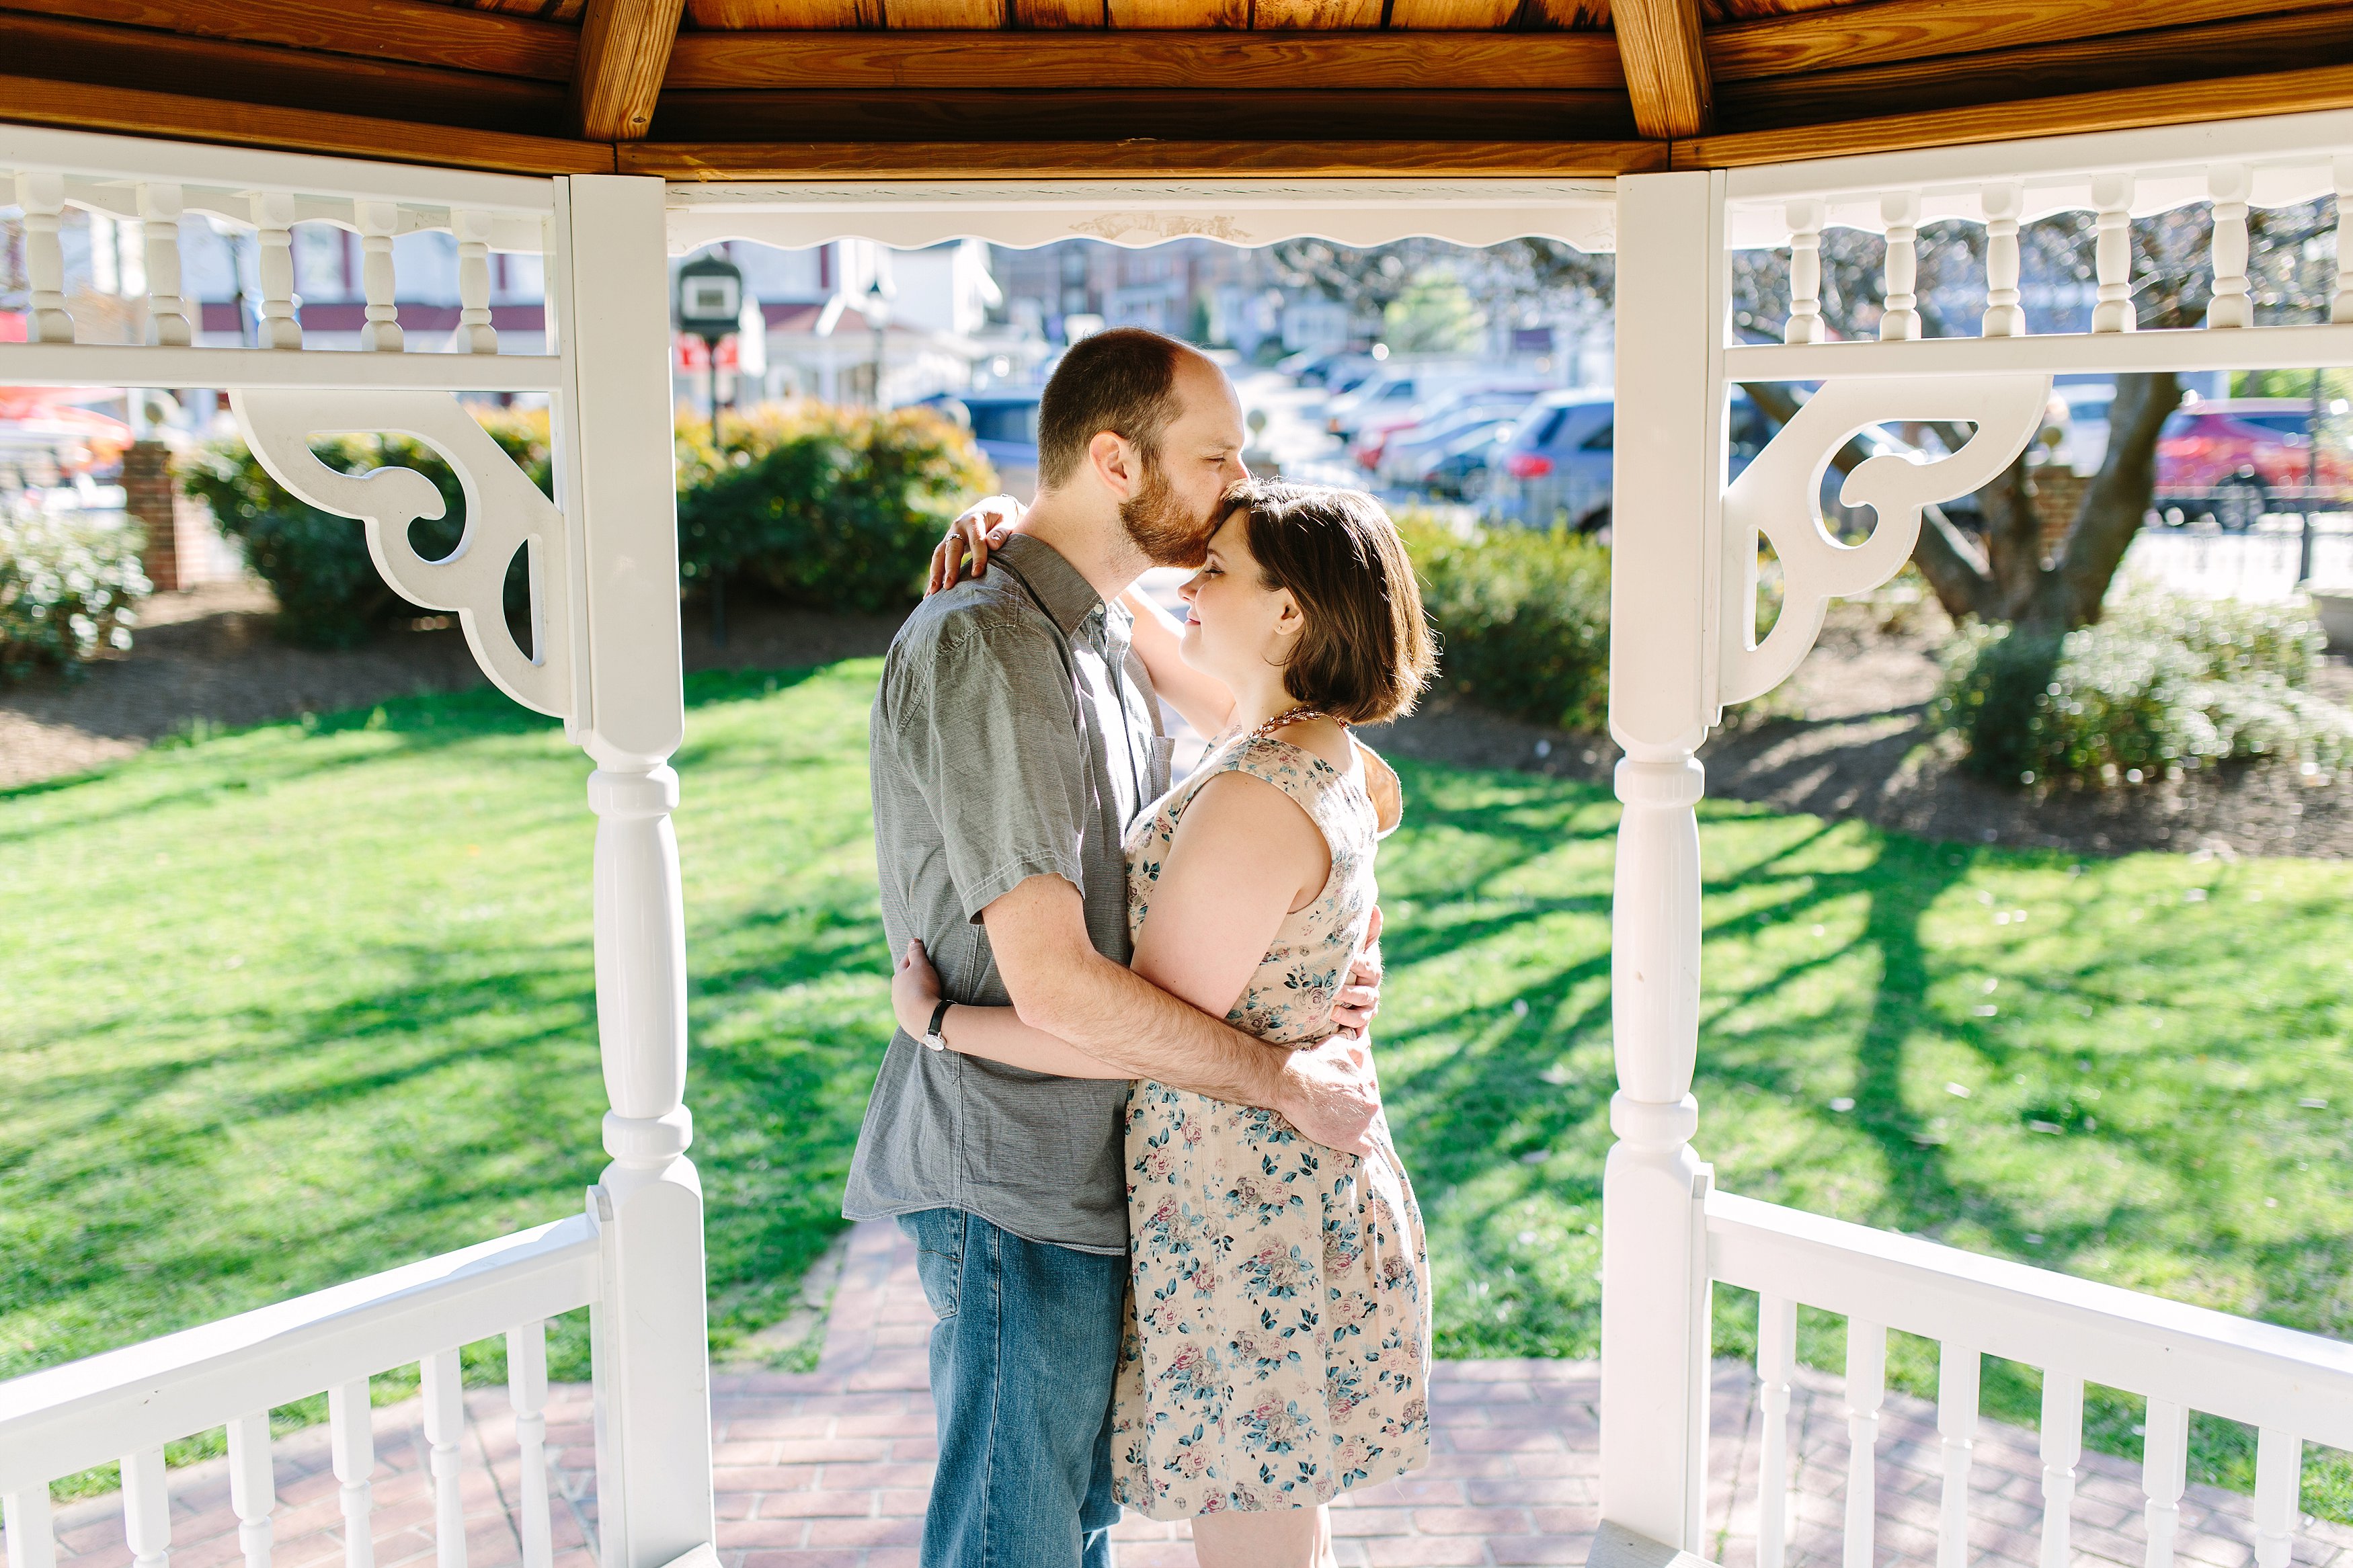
(1805, 323)
(445, 1423)
(2112, 195)
(1957, 1424)
(350, 1435)
(1866, 1391)
(527, 1391)
(2279, 1485)
(43, 198)
(2341, 172)
(32, 1533)
(2003, 317)
(1901, 212)
(2229, 185)
(105, 258)
(378, 221)
(475, 332)
(167, 314)
(252, 1487)
(131, 256)
(2164, 1465)
(2063, 1445)
(146, 1510)
(273, 222)
(1776, 1354)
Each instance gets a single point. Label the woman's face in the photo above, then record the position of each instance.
(1238, 629)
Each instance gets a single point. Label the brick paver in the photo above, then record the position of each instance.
(831, 1468)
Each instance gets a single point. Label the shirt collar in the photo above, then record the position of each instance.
(1068, 596)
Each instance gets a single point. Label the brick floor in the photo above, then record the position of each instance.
(830, 1467)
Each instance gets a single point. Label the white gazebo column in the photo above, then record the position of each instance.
(653, 1395)
(1671, 299)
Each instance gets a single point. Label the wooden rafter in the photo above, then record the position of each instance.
(623, 49)
(415, 31)
(1666, 74)
(1065, 160)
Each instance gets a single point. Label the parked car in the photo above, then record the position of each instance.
(1401, 458)
(2221, 459)
(2083, 421)
(1004, 426)
(1318, 367)
(1464, 471)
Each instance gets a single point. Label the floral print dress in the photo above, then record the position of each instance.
(1277, 1342)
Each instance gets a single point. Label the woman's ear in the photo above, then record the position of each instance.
(1289, 619)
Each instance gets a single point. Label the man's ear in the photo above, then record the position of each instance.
(1114, 463)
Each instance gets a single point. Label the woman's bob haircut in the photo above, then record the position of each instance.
(1366, 652)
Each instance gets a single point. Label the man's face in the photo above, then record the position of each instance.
(1175, 508)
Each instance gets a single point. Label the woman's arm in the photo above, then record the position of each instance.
(996, 1033)
(1203, 699)
(1245, 855)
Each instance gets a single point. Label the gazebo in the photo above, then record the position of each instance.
(608, 134)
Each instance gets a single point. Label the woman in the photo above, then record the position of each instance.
(1279, 1323)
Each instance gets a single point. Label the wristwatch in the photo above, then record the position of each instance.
(932, 1040)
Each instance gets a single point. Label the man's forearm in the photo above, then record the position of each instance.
(1117, 1017)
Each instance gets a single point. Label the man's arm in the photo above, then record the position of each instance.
(1060, 985)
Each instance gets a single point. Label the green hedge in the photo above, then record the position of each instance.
(69, 585)
(2161, 682)
(1522, 618)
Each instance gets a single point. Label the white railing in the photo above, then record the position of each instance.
(126, 1405)
(2291, 1387)
(153, 185)
(2118, 176)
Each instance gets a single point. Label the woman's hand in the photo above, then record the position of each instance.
(915, 990)
(1359, 996)
(981, 527)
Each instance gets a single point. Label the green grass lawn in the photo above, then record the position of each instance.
(293, 1005)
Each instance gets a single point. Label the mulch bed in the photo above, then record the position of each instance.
(1847, 739)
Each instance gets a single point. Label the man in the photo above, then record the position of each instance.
(1015, 736)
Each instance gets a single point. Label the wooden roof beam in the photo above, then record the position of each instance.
(1097, 159)
(625, 48)
(418, 32)
(1666, 71)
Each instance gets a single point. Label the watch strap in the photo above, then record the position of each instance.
(932, 1039)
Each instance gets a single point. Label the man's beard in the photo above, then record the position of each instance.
(1159, 525)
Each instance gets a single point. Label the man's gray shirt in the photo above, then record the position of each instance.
(1015, 735)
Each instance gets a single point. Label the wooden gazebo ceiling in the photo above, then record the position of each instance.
(761, 88)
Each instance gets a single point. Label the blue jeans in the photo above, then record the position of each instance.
(1022, 1363)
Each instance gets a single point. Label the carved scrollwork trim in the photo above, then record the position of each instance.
(504, 512)
(1777, 498)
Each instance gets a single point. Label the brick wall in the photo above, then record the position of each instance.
(2058, 492)
(183, 546)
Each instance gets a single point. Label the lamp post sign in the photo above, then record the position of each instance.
(710, 304)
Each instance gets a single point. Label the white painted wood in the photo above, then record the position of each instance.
(2048, 354)
(1777, 498)
(2230, 183)
(70, 1418)
(1958, 1370)
(350, 1440)
(1134, 213)
(379, 221)
(252, 1485)
(146, 1510)
(1654, 1364)
(2279, 1484)
(1866, 1392)
(445, 1424)
(1899, 213)
(167, 312)
(2257, 1373)
(273, 224)
(475, 333)
(42, 198)
(1805, 323)
(2340, 308)
(1776, 1360)
(506, 512)
(653, 1402)
(527, 1393)
(2061, 1441)
(2164, 1464)
(2112, 195)
(32, 1530)
(65, 363)
(2004, 316)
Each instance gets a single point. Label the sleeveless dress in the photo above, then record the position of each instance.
(1276, 1345)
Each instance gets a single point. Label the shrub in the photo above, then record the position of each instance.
(69, 585)
(836, 508)
(316, 563)
(2161, 682)
(1522, 618)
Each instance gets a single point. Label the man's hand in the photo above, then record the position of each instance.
(1330, 1094)
(979, 529)
(1360, 996)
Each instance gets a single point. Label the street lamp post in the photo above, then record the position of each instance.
(877, 305)
(710, 306)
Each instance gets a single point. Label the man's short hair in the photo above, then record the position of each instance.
(1124, 381)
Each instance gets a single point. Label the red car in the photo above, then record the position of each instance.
(2225, 457)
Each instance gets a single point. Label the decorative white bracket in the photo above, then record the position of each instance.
(1778, 497)
(504, 512)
